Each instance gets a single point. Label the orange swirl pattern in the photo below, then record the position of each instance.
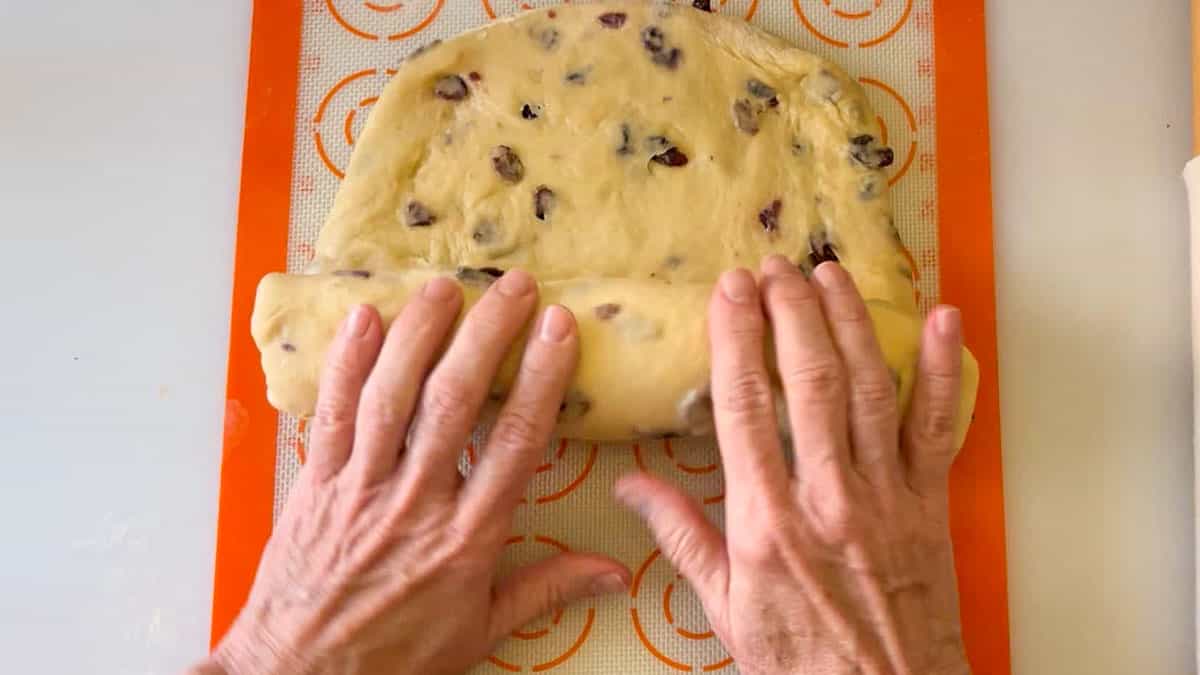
(556, 621)
(688, 466)
(559, 458)
(382, 21)
(910, 125)
(334, 141)
(668, 616)
(827, 19)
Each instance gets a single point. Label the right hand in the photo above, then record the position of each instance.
(841, 563)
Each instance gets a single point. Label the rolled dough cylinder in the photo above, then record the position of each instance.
(644, 368)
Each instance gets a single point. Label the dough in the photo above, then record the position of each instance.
(559, 145)
(645, 366)
(625, 153)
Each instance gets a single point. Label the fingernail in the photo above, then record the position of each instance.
(830, 275)
(949, 322)
(738, 286)
(439, 289)
(556, 324)
(515, 283)
(609, 583)
(778, 265)
(358, 321)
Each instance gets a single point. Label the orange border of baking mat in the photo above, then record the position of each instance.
(965, 271)
(967, 279)
(247, 495)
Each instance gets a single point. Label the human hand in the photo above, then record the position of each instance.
(384, 559)
(841, 563)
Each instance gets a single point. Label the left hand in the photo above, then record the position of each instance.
(384, 560)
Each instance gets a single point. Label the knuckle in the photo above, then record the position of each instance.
(517, 429)
(446, 400)
(682, 549)
(748, 393)
(381, 413)
(819, 380)
(838, 519)
(937, 423)
(333, 413)
(874, 397)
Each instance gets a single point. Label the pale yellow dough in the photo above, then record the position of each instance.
(644, 370)
(556, 142)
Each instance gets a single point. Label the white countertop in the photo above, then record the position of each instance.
(120, 144)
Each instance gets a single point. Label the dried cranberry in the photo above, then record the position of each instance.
(769, 217)
(474, 76)
(702, 5)
(480, 276)
(543, 202)
(670, 157)
(759, 89)
(820, 250)
(531, 112)
(485, 233)
(626, 147)
(653, 39)
(418, 215)
(574, 406)
(669, 58)
(744, 117)
(451, 88)
(613, 20)
(507, 164)
(607, 311)
(548, 38)
(872, 158)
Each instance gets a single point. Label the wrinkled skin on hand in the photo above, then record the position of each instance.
(838, 562)
(381, 534)
(841, 562)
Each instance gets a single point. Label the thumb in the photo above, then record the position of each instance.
(538, 589)
(686, 536)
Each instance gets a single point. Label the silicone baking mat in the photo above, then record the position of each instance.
(316, 68)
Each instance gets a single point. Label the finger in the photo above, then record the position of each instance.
(684, 534)
(416, 337)
(874, 420)
(544, 586)
(743, 402)
(812, 374)
(347, 364)
(929, 431)
(518, 440)
(449, 406)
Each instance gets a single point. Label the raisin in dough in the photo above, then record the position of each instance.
(625, 153)
(644, 370)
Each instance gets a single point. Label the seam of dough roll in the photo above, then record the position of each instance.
(625, 153)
